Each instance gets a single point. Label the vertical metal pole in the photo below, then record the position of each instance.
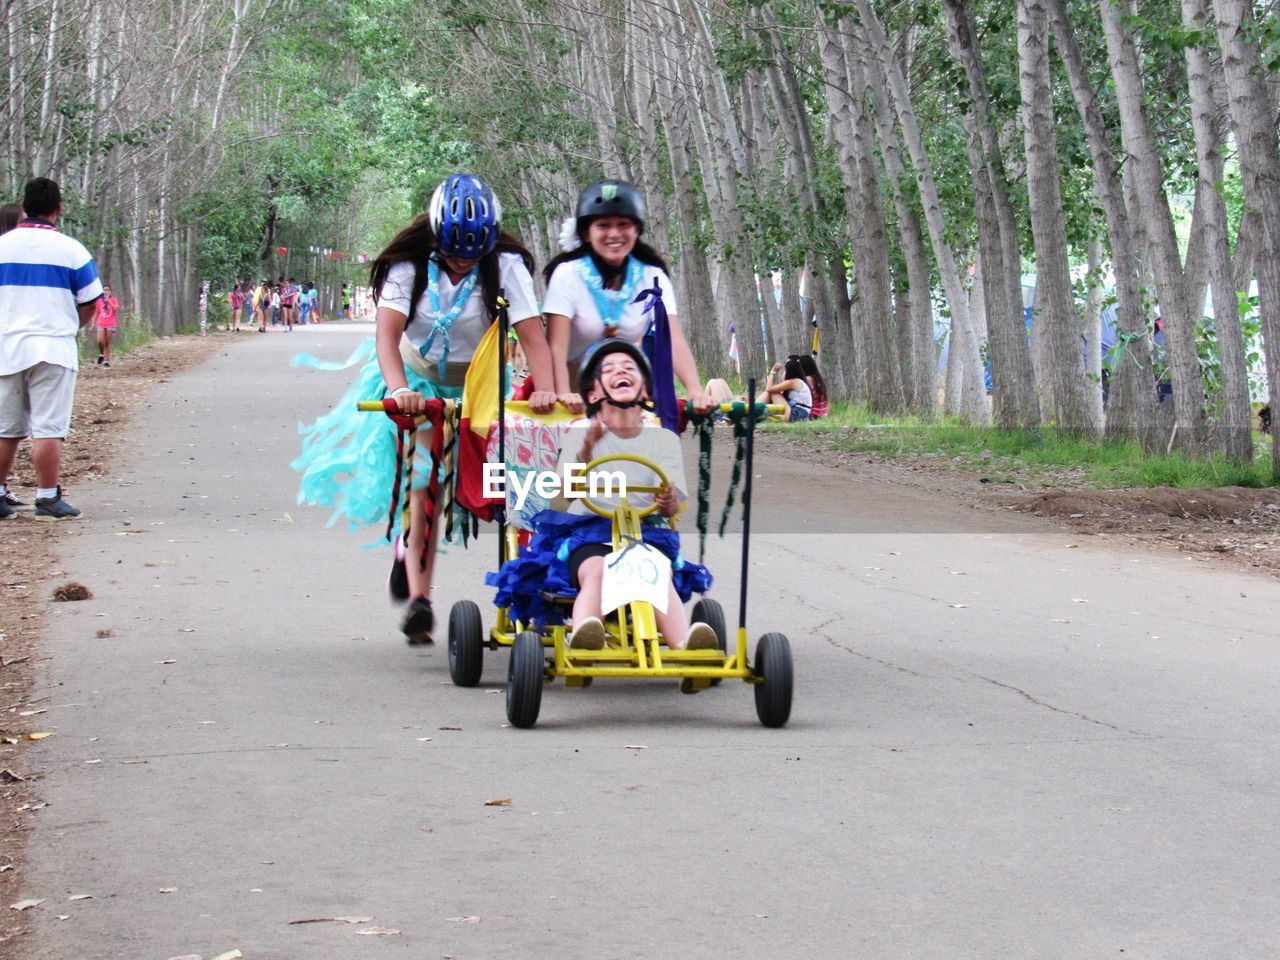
(746, 504)
(501, 513)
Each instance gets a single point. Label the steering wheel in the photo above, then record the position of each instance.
(629, 458)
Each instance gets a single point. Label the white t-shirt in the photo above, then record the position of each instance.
(654, 442)
(471, 324)
(44, 276)
(568, 296)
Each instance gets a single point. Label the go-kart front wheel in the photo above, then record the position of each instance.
(524, 680)
(466, 644)
(773, 666)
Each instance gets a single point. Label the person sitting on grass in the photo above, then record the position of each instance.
(817, 383)
(788, 383)
(569, 546)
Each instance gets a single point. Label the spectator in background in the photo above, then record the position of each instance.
(10, 214)
(817, 384)
(49, 290)
(262, 305)
(788, 384)
(236, 298)
(108, 309)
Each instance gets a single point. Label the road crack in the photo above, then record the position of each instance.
(1068, 713)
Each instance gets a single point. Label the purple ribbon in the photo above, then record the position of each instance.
(657, 347)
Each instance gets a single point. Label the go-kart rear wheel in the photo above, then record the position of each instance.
(466, 644)
(773, 665)
(712, 614)
(524, 680)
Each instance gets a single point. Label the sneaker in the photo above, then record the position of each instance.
(418, 621)
(12, 501)
(6, 511)
(106, 363)
(100, 359)
(588, 635)
(55, 508)
(701, 637)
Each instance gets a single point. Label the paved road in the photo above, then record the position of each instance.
(979, 764)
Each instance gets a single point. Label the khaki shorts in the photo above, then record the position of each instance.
(36, 402)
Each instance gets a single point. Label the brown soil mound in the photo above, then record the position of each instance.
(1221, 504)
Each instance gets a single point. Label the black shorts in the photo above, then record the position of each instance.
(583, 553)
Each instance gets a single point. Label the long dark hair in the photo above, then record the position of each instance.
(642, 252)
(10, 214)
(417, 244)
(810, 368)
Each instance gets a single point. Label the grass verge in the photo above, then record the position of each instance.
(1025, 455)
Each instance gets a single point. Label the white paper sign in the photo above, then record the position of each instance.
(636, 573)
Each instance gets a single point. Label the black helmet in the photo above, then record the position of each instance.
(590, 366)
(610, 198)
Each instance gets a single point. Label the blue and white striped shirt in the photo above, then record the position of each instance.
(44, 276)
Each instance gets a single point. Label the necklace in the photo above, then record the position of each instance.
(444, 321)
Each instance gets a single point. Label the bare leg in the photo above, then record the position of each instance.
(673, 624)
(46, 456)
(718, 390)
(101, 338)
(8, 453)
(590, 577)
(106, 339)
(420, 574)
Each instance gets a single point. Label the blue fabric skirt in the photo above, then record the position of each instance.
(348, 459)
(544, 564)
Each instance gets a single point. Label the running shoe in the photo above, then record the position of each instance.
(6, 511)
(418, 621)
(55, 508)
(12, 501)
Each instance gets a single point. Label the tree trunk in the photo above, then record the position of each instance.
(1055, 304)
(1012, 372)
(1252, 113)
(1234, 413)
(1130, 405)
(1161, 241)
(963, 342)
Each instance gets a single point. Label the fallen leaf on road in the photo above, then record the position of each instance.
(450, 728)
(187, 956)
(93, 761)
(186, 629)
(959, 606)
(423, 739)
(168, 889)
(230, 955)
(504, 802)
(166, 661)
(36, 736)
(1071, 546)
(25, 904)
(1060, 620)
(463, 919)
(635, 746)
(5, 867)
(1079, 600)
(277, 746)
(761, 916)
(135, 761)
(72, 591)
(377, 932)
(64, 916)
(81, 896)
(8, 776)
(30, 713)
(125, 533)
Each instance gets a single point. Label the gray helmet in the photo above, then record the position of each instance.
(610, 198)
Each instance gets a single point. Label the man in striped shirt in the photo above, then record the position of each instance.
(49, 289)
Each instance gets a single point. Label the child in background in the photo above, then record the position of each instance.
(105, 322)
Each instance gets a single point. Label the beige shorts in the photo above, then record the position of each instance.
(36, 402)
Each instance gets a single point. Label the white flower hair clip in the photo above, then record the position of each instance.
(569, 239)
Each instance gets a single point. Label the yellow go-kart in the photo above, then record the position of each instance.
(634, 646)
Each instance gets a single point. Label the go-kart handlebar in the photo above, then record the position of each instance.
(663, 484)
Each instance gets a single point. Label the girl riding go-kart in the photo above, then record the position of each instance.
(569, 545)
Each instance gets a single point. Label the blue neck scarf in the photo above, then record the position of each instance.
(442, 322)
(611, 303)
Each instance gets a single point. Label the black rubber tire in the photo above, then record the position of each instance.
(466, 644)
(773, 665)
(712, 614)
(524, 680)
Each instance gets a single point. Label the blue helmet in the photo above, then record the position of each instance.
(465, 216)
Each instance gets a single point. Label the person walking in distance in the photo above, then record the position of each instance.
(49, 291)
(108, 310)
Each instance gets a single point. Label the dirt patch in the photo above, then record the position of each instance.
(30, 561)
(1238, 525)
